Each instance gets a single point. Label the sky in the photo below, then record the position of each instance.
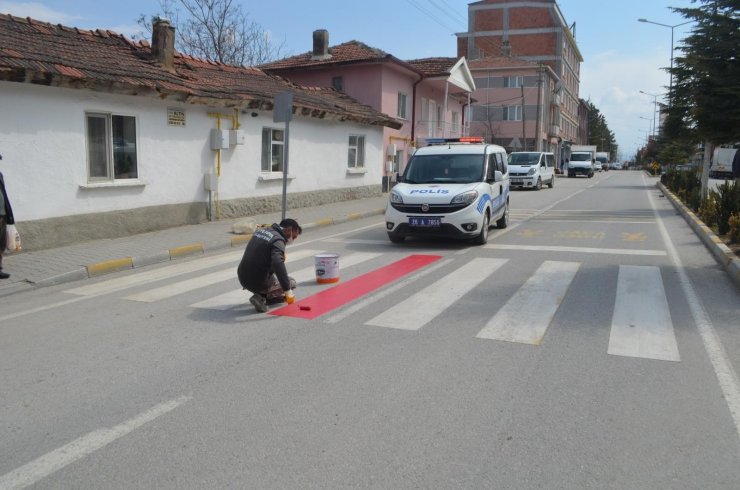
(622, 56)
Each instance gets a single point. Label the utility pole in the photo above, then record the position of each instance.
(538, 126)
(524, 131)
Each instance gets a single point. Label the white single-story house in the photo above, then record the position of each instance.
(103, 137)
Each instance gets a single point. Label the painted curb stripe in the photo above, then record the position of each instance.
(325, 222)
(240, 240)
(342, 294)
(109, 266)
(196, 248)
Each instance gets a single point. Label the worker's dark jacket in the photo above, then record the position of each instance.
(264, 256)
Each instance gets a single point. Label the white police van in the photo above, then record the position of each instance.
(454, 187)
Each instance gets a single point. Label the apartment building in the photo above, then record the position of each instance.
(535, 31)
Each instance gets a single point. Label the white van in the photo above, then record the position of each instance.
(532, 169)
(454, 187)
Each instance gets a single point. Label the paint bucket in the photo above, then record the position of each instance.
(327, 268)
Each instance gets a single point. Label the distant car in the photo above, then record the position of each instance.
(531, 169)
(617, 166)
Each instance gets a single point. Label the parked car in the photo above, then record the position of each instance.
(455, 187)
(531, 169)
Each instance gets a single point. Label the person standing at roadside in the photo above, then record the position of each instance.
(262, 268)
(6, 218)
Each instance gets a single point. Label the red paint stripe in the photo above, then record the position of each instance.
(341, 294)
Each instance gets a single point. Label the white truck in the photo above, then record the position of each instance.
(582, 159)
(721, 167)
(602, 160)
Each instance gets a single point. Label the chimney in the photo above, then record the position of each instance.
(320, 45)
(163, 44)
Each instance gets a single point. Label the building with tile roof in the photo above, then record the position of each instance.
(429, 97)
(103, 136)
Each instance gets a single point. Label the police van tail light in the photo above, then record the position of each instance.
(396, 198)
(465, 198)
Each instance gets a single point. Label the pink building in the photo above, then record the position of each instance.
(428, 96)
(516, 104)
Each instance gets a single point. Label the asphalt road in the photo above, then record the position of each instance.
(592, 344)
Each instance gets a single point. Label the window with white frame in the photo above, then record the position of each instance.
(513, 113)
(455, 121)
(356, 151)
(511, 82)
(402, 105)
(111, 147)
(273, 143)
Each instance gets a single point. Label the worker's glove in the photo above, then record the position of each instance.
(289, 296)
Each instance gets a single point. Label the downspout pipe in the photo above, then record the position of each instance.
(413, 109)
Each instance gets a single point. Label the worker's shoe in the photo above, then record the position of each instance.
(259, 303)
(4, 275)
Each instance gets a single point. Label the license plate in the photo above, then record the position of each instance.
(425, 221)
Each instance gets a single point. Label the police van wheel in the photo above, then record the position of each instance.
(482, 237)
(396, 238)
(503, 222)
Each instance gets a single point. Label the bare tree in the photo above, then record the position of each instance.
(216, 30)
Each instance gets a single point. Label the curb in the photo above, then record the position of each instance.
(123, 263)
(721, 252)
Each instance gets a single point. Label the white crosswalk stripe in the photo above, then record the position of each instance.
(641, 324)
(540, 295)
(421, 308)
(187, 285)
(239, 297)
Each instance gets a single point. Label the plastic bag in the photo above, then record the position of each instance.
(12, 239)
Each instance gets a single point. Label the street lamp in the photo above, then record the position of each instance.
(655, 107)
(649, 120)
(670, 88)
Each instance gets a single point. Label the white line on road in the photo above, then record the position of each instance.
(421, 308)
(239, 297)
(641, 323)
(125, 282)
(185, 286)
(49, 463)
(358, 305)
(543, 293)
(728, 380)
(548, 248)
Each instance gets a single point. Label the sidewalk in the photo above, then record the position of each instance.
(30, 270)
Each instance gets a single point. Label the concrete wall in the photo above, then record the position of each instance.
(44, 152)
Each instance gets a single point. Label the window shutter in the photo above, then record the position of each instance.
(266, 153)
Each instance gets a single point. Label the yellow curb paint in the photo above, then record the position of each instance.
(354, 216)
(240, 240)
(196, 248)
(109, 266)
(325, 222)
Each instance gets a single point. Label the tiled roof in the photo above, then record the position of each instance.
(499, 62)
(37, 52)
(341, 54)
(430, 67)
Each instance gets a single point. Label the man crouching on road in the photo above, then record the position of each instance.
(262, 269)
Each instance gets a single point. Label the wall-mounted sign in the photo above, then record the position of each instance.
(175, 117)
